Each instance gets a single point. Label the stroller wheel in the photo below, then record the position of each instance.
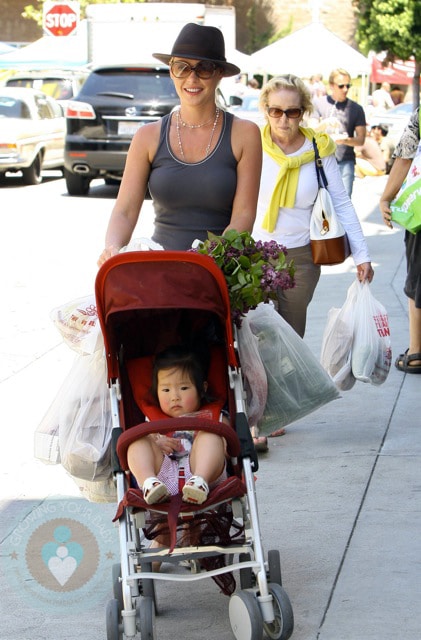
(283, 624)
(112, 620)
(245, 616)
(146, 610)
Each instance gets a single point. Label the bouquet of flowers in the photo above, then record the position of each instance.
(253, 269)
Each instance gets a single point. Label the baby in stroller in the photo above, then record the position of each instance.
(164, 465)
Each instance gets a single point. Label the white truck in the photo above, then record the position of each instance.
(122, 33)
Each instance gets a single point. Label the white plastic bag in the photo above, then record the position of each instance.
(85, 420)
(371, 349)
(78, 324)
(297, 383)
(337, 341)
(255, 380)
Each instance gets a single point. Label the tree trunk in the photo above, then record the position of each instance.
(416, 85)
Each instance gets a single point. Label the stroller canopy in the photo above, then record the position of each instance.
(140, 295)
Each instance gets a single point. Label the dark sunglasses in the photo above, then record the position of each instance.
(203, 70)
(293, 114)
(344, 86)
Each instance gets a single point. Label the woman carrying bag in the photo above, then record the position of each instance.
(288, 190)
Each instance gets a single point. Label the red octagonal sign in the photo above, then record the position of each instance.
(61, 18)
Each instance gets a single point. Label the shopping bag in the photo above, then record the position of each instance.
(338, 335)
(84, 419)
(254, 375)
(406, 207)
(297, 383)
(78, 323)
(371, 348)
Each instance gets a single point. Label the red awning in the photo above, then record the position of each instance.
(397, 73)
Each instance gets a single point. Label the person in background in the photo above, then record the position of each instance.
(380, 134)
(201, 164)
(369, 159)
(410, 361)
(316, 86)
(344, 120)
(381, 98)
(397, 95)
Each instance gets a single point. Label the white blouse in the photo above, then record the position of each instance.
(293, 225)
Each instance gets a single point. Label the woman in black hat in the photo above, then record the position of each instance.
(202, 165)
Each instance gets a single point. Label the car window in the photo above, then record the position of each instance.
(11, 108)
(140, 85)
(26, 83)
(57, 88)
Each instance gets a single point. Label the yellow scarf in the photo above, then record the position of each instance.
(283, 194)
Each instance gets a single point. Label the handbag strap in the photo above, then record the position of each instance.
(320, 172)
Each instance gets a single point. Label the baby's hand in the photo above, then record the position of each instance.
(168, 445)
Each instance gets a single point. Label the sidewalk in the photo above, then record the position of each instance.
(338, 495)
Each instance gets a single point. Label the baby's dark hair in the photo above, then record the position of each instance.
(189, 361)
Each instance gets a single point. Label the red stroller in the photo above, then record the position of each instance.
(147, 301)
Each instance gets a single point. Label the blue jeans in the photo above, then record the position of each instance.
(347, 171)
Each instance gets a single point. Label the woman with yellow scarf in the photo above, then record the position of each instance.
(288, 189)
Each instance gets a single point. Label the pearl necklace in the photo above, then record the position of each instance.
(193, 126)
(177, 126)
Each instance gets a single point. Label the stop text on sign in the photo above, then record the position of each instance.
(61, 18)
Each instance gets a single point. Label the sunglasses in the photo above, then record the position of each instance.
(293, 114)
(344, 86)
(203, 70)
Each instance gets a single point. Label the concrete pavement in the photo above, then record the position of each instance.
(339, 494)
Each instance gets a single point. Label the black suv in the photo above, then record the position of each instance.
(113, 103)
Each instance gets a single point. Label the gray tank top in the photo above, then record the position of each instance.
(191, 199)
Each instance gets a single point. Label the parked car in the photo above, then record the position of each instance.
(32, 133)
(396, 119)
(249, 109)
(113, 103)
(60, 85)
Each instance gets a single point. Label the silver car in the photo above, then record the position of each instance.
(249, 110)
(32, 133)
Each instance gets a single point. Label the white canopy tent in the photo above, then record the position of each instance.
(50, 52)
(308, 51)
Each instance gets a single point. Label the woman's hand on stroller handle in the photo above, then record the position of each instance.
(106, 254)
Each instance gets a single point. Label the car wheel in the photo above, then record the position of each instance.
(32, 174)
(77, 185)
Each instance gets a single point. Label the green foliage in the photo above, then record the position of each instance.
(253, 270)
(34, 12)
(283, 33)
(393, 26)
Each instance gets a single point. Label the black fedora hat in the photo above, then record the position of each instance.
(200, 43)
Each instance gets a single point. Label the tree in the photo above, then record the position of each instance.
(392, 26)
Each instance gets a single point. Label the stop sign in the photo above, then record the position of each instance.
(61, 18)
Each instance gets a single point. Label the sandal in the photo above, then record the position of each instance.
(403, 362)
(154, 491)
(196, 490)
